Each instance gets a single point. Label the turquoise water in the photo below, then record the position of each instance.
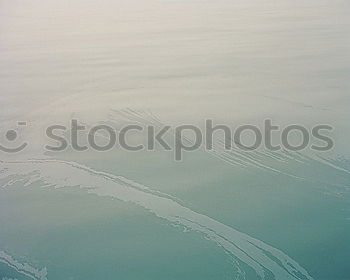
(143, 215)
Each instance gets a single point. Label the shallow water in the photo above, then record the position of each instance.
(214, 215)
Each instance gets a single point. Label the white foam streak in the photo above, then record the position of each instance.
(23, 269)
(253, 252)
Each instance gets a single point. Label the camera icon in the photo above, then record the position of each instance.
(11, 136)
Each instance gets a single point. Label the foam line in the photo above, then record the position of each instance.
(23, 268)
(262, 258)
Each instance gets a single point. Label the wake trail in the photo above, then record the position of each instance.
(23, 268)
(264, 259)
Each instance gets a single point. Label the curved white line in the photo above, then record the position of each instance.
(259, 256)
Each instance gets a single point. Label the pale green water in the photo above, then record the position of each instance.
(184, 61)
